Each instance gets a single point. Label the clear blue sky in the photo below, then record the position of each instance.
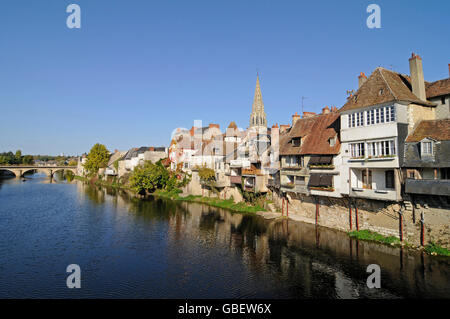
(138, 69)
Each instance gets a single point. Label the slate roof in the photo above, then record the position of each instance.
(438, 130)
(381, 87)
(315, 133)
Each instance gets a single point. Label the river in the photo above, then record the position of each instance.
(155, 248)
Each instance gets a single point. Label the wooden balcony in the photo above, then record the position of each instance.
(236, 179)
(428, 186)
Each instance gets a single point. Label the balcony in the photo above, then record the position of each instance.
(239, 163)
(251, 171)
(294, 187)
(378, 194)
(236, 179)
(428, 186)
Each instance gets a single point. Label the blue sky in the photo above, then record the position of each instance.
(138, 69)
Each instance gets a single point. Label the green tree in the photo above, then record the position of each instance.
(149, 177)
(206, 174)
(18, 157)
(27, 159)
(97, 158)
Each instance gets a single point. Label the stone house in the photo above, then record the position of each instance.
(375, 122)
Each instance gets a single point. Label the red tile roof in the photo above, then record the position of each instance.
(315, 132)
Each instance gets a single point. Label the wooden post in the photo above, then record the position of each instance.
(287, 208)
(356, 217)
(350, 208)
(282, 206)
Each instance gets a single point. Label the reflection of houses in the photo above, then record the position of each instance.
(427, 159)
(309, 154)
(374, 124)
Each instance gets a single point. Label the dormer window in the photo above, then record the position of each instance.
(296, 141)
(426, 148)
(332, 141)
(380, 92)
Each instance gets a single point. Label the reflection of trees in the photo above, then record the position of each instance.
(95, 193)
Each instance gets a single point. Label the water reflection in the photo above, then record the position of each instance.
(168, 249)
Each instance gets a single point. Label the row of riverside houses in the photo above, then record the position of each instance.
(122, 163)
(383, 156)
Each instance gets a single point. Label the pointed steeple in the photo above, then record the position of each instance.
(258, 116)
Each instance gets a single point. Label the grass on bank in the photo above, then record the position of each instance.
(373, 236)
(432, 248)
(240, 207)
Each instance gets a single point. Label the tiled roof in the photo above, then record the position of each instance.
(381, 87)
(315, 133)
(438, 88)
(438, 130)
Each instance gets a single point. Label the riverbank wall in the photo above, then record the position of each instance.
(385, 218)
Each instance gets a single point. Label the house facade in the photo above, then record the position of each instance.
(309, 155)
(427, 161)
(375, 122)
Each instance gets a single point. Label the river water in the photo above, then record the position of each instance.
(130, 248)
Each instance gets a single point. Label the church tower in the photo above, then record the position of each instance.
(258, 116)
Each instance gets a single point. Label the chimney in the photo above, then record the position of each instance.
(275, 125)
(449, 70)
(295, 117)
(326, 110)
(416, 73)
(211, 125)
(308, 114)
(361, 79)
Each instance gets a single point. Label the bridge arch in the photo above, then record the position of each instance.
(9, 170)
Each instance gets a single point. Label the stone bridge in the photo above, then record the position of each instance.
(19, 170)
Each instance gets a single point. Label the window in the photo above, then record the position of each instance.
(377, 117)
(389, 176)
(332, 141)
(357, 149)
(382, 115)
(356, 119)
(427, 148)
(381, 148)
(296, 141)
(443, 100)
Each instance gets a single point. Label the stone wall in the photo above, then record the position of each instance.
(381, 217)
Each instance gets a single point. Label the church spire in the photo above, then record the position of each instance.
(258, 116)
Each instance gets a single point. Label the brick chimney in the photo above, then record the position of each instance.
(416, 73)
(326, 110)
(275, 125)
(308, 114)
(361, 79)
(295, 117)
